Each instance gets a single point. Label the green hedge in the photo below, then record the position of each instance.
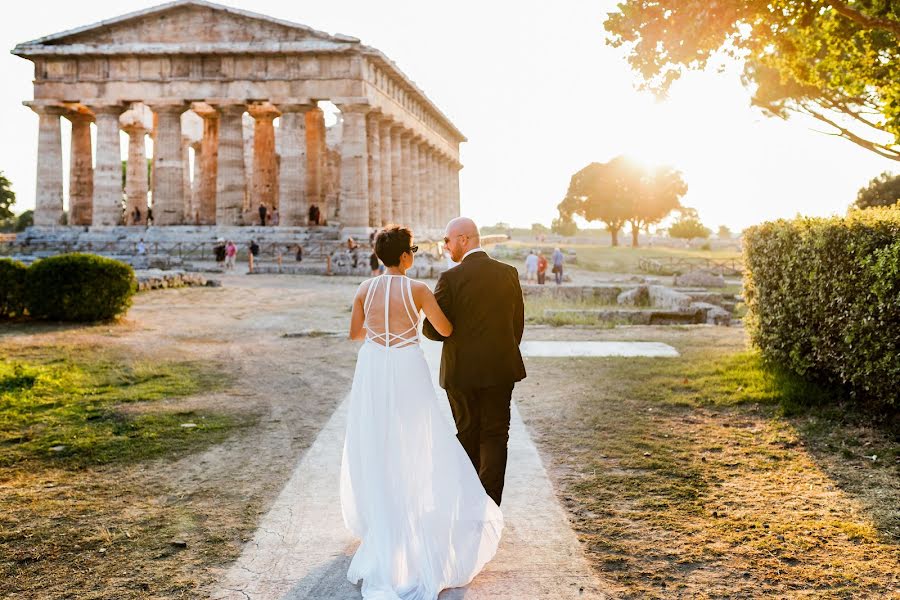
(12, 288)
(79, 287)
(824, 299)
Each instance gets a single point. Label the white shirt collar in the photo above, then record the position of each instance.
(478, 249)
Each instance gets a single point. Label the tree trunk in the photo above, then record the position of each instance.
(635, 232)
(615, 236)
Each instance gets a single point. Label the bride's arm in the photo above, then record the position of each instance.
(358, 316)
(429, 305)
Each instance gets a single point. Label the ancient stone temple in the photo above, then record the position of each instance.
(230, 101)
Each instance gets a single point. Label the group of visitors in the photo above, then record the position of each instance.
(226, 251)
(268, 217)
(536, 266)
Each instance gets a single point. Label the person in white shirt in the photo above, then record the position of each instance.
(531, 267)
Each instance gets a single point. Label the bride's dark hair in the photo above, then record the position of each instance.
(391, 242)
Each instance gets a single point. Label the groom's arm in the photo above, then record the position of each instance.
(442, 295)
(518, 308)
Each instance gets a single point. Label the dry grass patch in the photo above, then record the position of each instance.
(707, 476)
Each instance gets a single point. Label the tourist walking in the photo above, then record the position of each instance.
(542, 268)
(408, 490)
(230, 255)
(276, 218)
(219, 252)
(558, 260)
(313, 214)
(262, 214)
(531, 267)
(253, 252)
(141, 248)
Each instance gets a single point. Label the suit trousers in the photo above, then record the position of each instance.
(482, 423)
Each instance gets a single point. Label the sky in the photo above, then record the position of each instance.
(539, 94)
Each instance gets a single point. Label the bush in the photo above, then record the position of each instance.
(79, 287)
(824, 299)
(12, 288)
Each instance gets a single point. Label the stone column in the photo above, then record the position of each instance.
(81, 170)
(373, 141)
(196, 182)
(264, 166)
(415, 193)
(441, 189)
(386, 155)
(292, 190)
(354, 167)
(424, 201)
(431, 220)
(188, 193)
(454, 189)
(136, 174)
(396, 173)
(404, 214)
(108, 167)
(168, 163)
(209, 151)
(48, 209)
(230, 178)
(315, 160)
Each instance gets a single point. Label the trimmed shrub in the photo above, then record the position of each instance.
(824, 299)
(79, 287)
(12, 288)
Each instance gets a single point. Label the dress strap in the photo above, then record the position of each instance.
(387, 301)
(370, 293)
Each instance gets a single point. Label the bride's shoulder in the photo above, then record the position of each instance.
(364, 286)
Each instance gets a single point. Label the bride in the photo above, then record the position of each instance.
(408, 490)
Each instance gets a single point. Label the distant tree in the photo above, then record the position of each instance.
(621, 191)
(835, 61)
(660, 190)
(883, 190)
(724, 232)
(688, 226)
(539, 229)
(7, 197)
(600, 192)
(564, 227)
(26, 219)
(496, 228)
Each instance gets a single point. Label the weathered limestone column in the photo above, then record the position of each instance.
(424, 201)
(230, 180)
(81, 170)
(136, 174)
(396, 173)
(442, 188)
(386, 154)
(373, 142)
(454, 189)
(404, 214)
(108, 167)
(431, 216)
(196, 182)
(415, 195)
(292, 190)
(315, 159)
(48, 209)
(209, 152)
(188, 192)
(354, 167)
(168, 193)
(264, 166)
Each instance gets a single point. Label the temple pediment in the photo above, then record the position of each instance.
(191, 24)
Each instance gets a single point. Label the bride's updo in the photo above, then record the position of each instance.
(391, 242)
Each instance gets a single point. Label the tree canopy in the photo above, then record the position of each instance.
(835, 61)
(688, 226)
(622, 191)
(883, 190)
(7, 197)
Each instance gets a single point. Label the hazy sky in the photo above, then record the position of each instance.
(539, 95)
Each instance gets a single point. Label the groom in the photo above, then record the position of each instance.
(481, 361)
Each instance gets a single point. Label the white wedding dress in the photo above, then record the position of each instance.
(408, 489)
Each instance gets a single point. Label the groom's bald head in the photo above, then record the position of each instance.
(461, 236)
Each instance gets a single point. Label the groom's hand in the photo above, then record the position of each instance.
(442, 296)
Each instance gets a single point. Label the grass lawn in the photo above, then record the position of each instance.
(80, 508)
(624, 259)
(707, 476)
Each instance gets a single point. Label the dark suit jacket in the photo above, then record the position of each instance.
(483, 299)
